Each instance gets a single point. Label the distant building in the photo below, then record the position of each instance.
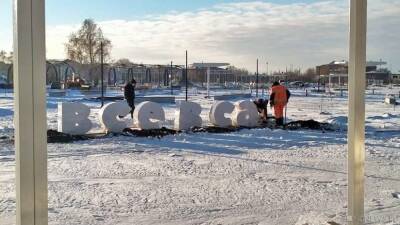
(396, 78)
(219, 72)
(335, 67)
(337, 72)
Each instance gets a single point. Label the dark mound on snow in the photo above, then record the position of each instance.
(6, 139)
(215, 130)
(309, 124)
(58, 137)
(159, 133)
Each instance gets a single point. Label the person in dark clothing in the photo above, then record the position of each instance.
(262, 108)
(278, 99)
(129, 94)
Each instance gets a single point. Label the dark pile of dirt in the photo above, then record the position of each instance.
(116, 98)
(309, 124)
(159, 133)
(215, 130)
(6, 139)
(58, 137)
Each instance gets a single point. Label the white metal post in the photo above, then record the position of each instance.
(356, 129)
(30, 112)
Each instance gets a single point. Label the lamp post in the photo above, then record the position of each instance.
(144, 68)
(208, 81)
(102, 74)
(170, 80)
(180, 68)
(257, 81)
(186, 76)
(159, 76)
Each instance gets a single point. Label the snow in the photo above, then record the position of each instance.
(257, 176)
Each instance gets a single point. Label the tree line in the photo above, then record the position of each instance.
(6, 57)
(84, 47)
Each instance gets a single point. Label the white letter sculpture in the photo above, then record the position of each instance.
(149, 115)
(218, 111)
(188, 116)
(73, 118)
(245, 114)
(109, 116)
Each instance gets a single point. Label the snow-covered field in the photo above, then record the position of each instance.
(258, 176)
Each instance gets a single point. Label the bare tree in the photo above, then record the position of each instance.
(10, 57)
(84, 45)
(310, 75)
(6, 58)
(124, 62)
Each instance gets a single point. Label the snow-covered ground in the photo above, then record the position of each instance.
(258, 176)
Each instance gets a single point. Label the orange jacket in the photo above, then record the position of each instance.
(279, 95)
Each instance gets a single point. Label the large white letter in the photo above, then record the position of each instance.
(188, 116)
(73, 118)
(149, 115)
(109, 116)
(218, 111)
(245, 114)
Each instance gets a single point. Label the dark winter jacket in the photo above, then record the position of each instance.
(129, 92)
(261, 104)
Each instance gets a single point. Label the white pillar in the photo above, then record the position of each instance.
(30, 112)
(356, 129)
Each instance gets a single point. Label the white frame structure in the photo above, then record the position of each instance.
(356, 118)
(30, 112)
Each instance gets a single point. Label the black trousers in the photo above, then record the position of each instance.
(279, 121)
(131, 103)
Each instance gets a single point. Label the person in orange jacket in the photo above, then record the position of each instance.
(278, 99)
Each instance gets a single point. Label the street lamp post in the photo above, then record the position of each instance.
(257, 81)
(170, 80)
(102, 74)
(143, 74)
(186, 76)
(159, 76)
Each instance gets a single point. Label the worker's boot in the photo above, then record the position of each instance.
(279, 121)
